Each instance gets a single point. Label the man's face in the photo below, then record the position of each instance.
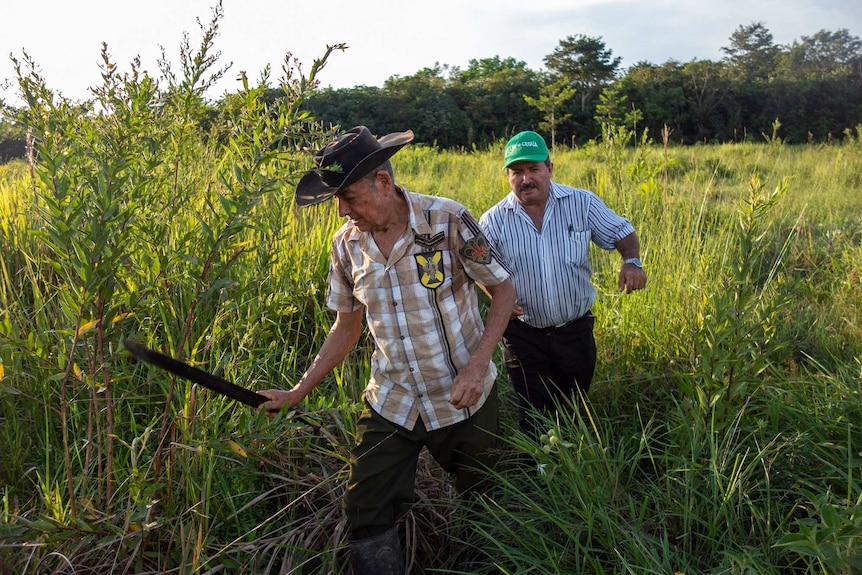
(531, 181)
(362, 203)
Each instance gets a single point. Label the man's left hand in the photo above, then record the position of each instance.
(631, 278)
(466, 390)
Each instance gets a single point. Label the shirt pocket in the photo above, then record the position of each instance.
(578, 247)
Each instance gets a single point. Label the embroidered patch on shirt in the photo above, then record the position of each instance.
(430, 266)
(429, 241)
(477, 250)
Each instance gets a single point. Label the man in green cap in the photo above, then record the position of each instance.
(408, 263)
(543, 230)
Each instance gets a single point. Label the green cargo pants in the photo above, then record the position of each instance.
(383, 463)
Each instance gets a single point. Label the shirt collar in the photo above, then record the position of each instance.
(418, 222)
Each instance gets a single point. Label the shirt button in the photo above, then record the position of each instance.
(395, 304)
(402, 338)
(411, 370)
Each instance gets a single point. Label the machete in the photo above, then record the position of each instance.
(208, 380)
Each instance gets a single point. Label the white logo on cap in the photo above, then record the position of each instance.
(514, 147)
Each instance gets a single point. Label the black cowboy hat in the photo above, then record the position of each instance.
(345, 160)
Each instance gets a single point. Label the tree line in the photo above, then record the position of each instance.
(811, 88)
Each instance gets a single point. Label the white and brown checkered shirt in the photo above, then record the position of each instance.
(421, 307)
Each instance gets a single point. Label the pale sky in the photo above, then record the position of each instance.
(386, 37)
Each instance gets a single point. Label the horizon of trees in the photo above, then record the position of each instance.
(811, 87)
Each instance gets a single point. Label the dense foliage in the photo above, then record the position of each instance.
(813, 87)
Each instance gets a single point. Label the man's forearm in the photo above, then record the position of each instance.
(502, 301)
(342, 337)
(629, 246)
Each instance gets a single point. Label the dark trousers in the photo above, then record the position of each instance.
(383, 463)
(548, 365)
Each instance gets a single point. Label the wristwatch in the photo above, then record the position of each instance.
(634, 261)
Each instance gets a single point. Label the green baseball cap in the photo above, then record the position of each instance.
(525, 147)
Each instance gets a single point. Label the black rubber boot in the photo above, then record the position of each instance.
(377, 555)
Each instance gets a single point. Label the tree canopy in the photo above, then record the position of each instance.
(813, 86)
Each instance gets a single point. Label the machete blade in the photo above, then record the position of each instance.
(184, 370)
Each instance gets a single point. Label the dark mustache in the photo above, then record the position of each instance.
(530, 186)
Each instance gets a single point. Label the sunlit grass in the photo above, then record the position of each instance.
(657, 472)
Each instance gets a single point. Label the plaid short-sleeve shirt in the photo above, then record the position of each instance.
(421, 307)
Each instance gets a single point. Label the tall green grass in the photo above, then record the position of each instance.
(720, 436)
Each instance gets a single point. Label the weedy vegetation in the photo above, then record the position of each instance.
(721, 435)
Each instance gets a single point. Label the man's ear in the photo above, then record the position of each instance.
(384, 181)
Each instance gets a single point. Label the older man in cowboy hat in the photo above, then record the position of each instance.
(409, 264)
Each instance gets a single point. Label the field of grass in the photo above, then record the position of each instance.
(721, 434)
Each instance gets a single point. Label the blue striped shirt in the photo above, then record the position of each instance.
(551, 269)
